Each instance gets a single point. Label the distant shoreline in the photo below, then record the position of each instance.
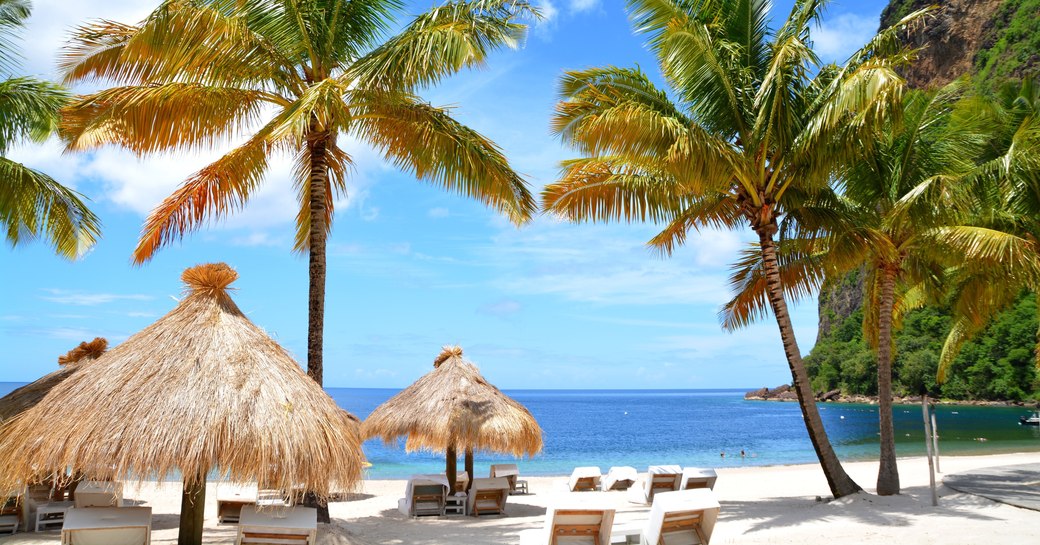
(786, 393)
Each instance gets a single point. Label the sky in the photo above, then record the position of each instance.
(410, 267)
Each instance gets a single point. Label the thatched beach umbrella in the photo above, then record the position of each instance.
(453, 408)
(29, 395)
(201, 389)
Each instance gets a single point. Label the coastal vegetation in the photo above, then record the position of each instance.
(34, 205)
(758, 126)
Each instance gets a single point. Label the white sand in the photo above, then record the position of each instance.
(773, 505)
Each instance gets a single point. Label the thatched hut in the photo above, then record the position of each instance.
(201, 389)
(451, 409)
(29, 395)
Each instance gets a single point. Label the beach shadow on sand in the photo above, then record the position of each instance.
(771, 513)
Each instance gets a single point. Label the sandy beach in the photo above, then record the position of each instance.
(775, 505)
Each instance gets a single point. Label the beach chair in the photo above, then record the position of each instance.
(620, 478)
(584, 478)
(10, 510)
(99, 494)
(232, 497)
(696, 477)
(573, 524)
(424, 495)
(662, 479)
(278, 526)
(512, 474)
(685, 517)
(461, 481)
(488, 496)
(107, 526)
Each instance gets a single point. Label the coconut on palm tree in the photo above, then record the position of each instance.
(756, 118)
(292, 76)
(32, 204)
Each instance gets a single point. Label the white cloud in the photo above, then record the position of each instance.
(438, 213)
(839, 37)
(66, 297)
(503, 308)
(578, 6)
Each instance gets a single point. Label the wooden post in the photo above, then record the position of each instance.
(451, 467)
(928, 448)
(193, 511)
(935, 441)
(469, 467)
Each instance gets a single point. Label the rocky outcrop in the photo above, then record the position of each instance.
(780, 393)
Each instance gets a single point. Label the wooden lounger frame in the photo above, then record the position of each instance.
(585, 483)
(497, 495)
(278, 539)
(576, 530)
(680, 521)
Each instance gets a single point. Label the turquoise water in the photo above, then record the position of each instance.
(692, 427)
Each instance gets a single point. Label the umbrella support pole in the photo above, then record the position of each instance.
(451, 467)
(193, 511)
(469, 467)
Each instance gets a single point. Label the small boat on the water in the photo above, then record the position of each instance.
(1033, 420)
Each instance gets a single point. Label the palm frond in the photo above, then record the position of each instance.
(337, 163)
(13, 14)
(801, 275)
(717, 211)
(603, 189)
(28, 110)
(34, 206)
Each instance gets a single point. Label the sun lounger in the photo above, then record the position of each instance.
(686, 517)
(512, 474)
(662, 479)
(278, 526)
(573, 524)
(697, 477)
(10, 510)
(107, 526)
(461, 481)
(50, 513)
(232, 497)
(424, 495)
(488, 496)
(620, 478)
(99, 494)
(584, 478)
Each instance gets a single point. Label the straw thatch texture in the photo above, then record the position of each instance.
(453, 406)
(29, 395)
(202, 388)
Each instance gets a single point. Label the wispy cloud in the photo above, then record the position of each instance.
(502, 308)
(438, 213)
(578, 6)
(840, 36)
(66, 297)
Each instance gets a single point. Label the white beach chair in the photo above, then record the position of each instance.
(424, 495)
(99, 494)
(232, 497)
(573, 524)
(620, 478)
(512, 474)
(278, 526)
(685, 517)
(107, 526)
(661, 479)
(697, 477)
(10, 510)
(488, 496)
(461, 481)
(584, 478)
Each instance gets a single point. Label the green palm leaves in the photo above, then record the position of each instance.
(32, 204)
(294, 74)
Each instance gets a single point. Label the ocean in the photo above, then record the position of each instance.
(695, 428)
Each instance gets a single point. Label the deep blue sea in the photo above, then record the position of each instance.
(693, 427)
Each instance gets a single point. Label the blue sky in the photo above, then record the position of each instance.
(411, 268)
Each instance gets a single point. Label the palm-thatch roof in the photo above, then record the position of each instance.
(202, 388)
(454, 407)
(29, 395)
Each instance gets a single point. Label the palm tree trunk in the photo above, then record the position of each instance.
(469, 467)
(451, 468)
(317, 143)
(839, 481)
(193, 509)
(888, 473)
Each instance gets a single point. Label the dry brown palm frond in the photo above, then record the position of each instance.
(201, 389)
(454, 406)
(85, 350)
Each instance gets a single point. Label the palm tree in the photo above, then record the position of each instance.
(32, 204)
(1006, 198)
(293, 76)
(755, 120)
(904, 221)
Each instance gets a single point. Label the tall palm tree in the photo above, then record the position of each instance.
(294, 76)
(32, 204)
(755, 120)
